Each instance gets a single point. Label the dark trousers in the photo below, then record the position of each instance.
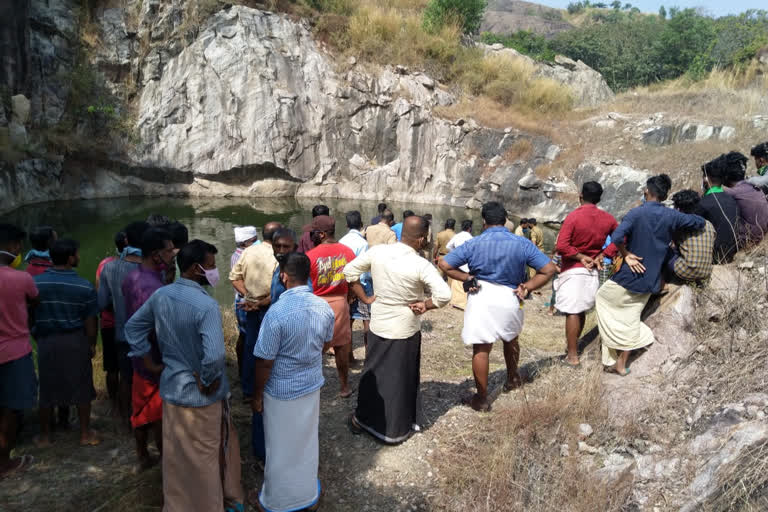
(252, 327)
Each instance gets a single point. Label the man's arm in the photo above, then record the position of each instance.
(262, 371)
(214, 355)
(265, 351)
(138, 328)
(545, 269)
(358, 266)
(441, 292)
(104, 295)
(451, 262)
(687, 221)
(391, 237)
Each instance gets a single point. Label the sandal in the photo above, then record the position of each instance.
(565, 362)
(612, 369)
(92, 440)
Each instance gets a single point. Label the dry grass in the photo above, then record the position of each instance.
(520, 150)
(492, 114)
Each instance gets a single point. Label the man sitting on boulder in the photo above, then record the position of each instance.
(753, 208)
(760, 154)
(690, 261)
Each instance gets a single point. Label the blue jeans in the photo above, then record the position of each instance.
(252, 327)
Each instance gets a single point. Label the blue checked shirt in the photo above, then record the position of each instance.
(66, 300)
(292, 335)
(111, 292)
(191, 340)
(498, 256)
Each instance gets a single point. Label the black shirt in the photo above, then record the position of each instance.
(723, 212)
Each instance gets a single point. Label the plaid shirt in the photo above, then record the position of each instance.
(695, 248)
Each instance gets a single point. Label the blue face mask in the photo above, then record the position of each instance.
(34, 253)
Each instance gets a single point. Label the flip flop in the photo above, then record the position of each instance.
(93, 440)
(24, 463)
(612, 369)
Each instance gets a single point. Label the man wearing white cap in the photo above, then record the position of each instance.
(245, 236)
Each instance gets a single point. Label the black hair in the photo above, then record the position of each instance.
(466, 225)
(523, 221)
(134, 231)
(269, 234)
(41, 237)
(428, 216)
(715, 169)
(354, 220)
(686, 200)
(659, 186)
(408, 213)
(179, 234)
(320, 209)
(450, 223)
(284, 233)
(297, 266)
(387, 215)
(194, 253)
(157, 219)
(532, 220)
(120, 241)
(10, 233)
(63, 249)
(591, 192)
(760, 151)
(493, 214)
(735, 167)
(381, 207)
(154, 240)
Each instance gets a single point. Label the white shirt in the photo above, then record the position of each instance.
(457, 240)
(400, 276)
(355, 241)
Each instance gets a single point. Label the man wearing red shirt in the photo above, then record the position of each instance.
(328, 260)
(580, 244)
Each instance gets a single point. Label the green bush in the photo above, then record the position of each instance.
(467, 13)
(524, 41)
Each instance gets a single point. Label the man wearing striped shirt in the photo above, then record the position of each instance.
(288, 378)
(201, 452)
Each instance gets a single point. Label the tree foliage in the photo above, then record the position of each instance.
(467, 13)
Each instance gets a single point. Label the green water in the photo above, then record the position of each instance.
(94, 222)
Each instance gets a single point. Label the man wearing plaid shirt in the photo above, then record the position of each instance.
(691, 260)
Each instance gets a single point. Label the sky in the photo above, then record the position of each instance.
(714, 7)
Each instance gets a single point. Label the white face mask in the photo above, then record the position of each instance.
(212, 276)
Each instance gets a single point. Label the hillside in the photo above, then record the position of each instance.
(508, 16)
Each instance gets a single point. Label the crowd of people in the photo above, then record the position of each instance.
(297, 298)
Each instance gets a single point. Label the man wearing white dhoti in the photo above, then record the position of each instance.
(497, 259)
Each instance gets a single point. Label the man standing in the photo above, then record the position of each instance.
(691, 259)
(66, 330)
(497, 261)
(753, 208)
(252, 277)
(580, 244)
(381, 233)
(18, 383)
(720, 209)
(509, 224)
(443, 237)
(458, 295)
(201, 452)
(39, 258)
(289, 375)
(328, 260)
(537, 235)
(138, 286)
(245, 236)
(358, 310)
(110, 297)
(398, 228)
(524, 229)
(283, 243)
(305, 243)
(427, 252)
(380, 209)
(387, 402)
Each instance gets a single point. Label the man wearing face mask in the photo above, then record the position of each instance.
(201, 452)
(18, 382)
(760, 154)
(138, 286)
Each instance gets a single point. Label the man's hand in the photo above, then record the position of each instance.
(585, 260)
(248, 305)
(633, 261)
(257, 403)
(418, 308)
(599, 261)
(472, 289)
(521, 291)
(209, 389)
(369, 300)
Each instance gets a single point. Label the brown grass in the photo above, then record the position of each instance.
(520, 150)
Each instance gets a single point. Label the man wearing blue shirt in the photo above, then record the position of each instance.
(498, 260)
(193, 385)
(398, 228)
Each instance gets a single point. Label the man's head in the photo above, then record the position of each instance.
(524, 223)
(245, 236)
(269, 230)
(657, 187)
(760, 154)
(11, 241)
(158, 220)
(197, 261)
(381, 207)
(450, 224)
(408, 213)
(532, 221)
(428, 216)
(493, 213)
(713, 173)
(65, 253)
(323, 229)
(735, 166)
(686, 201)
(295, 270)
(466, 225)
(179, 234)
(120, 241)
(157, 248)
(320, 209)
(387, 217)
(591, 192)
(283, 243)
(415, 231)
(134, 231)
(42, 237)
(354, 220)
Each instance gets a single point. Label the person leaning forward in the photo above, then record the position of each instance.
(387, 402)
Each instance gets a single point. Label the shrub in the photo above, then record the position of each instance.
(467, 13)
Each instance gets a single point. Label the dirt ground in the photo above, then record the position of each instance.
(356, 472)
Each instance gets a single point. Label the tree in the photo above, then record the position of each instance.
(627, 7)
(467, 13)
(662, 12)
(616, 4)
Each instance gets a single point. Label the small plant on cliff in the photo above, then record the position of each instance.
(467, 13)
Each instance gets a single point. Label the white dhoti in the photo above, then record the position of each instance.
(618, 318)
(575, 290)
(492, 314)
(293, 452)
